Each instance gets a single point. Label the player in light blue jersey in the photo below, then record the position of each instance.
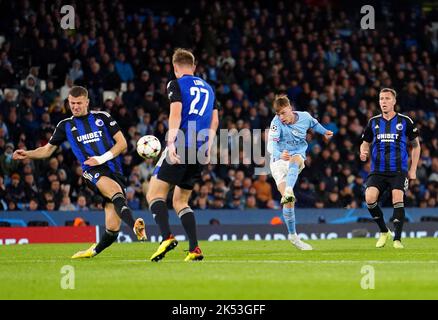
(287, 145)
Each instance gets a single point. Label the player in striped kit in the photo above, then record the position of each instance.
(386, 138)
(97, 142)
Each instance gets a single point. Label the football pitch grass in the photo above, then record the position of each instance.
(231, 270)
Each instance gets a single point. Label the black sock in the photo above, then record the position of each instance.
(398, 219)
(107, 239)
(159, 210)
(377, 215)
(122, 209)
(188, 221)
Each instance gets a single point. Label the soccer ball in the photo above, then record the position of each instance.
(148, 147)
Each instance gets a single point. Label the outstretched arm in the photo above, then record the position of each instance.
(317, 127)
(39, 153)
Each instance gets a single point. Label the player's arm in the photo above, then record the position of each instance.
(274, 142)
(364, 150)
(318, 128)
(174, 121)
(119, 147)
(414, 141)
(174, 94)
(38, 153)
(367, 138)
(46, 151)
(213, 129)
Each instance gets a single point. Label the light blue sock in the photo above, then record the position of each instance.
(292, 175)
(289, 219)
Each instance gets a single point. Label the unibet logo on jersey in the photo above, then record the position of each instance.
(90, 137)
(387, 137)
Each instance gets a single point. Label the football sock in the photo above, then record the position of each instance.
(292, 175)
(377, 215)
(398, 219)
(107, 239)
(122, 209)
(160, 213)
(189, 223)
(289, 219)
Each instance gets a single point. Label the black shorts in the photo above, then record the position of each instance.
(182, 175)
(93, 175)
(398, 181)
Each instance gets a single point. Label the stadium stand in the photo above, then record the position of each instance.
(250, 51)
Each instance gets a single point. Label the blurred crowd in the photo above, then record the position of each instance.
(249, 51)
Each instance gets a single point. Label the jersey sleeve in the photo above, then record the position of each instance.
(174, 91)
(315, 125)
(367, 134)
(58, 136)
(111, 124)
(411, 130)
(274, 139)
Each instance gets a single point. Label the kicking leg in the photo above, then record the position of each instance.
(110, 189)
(296, 163)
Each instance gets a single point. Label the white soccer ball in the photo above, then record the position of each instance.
(148, 147)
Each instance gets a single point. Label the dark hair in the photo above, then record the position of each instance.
(78, 91)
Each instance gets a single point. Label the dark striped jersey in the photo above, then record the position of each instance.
(90, 135)
(389, 142)
(198, 102)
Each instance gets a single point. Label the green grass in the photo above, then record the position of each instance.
(231, 270)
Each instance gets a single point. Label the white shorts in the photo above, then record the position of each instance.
(280, 168)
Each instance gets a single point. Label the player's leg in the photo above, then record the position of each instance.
(181, 206)
(156, 197)
(289, 219)
(399, 184)
(112, 228)
(371, 197)
(296, 163)
(111, 189)
(279, 170)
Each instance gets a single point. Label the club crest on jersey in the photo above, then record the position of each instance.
(399, 126)
(99, 122)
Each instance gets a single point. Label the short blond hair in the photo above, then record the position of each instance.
(394, 93)
(183, 57)
(280, 102)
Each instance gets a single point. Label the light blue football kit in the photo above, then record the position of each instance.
(292, 138)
